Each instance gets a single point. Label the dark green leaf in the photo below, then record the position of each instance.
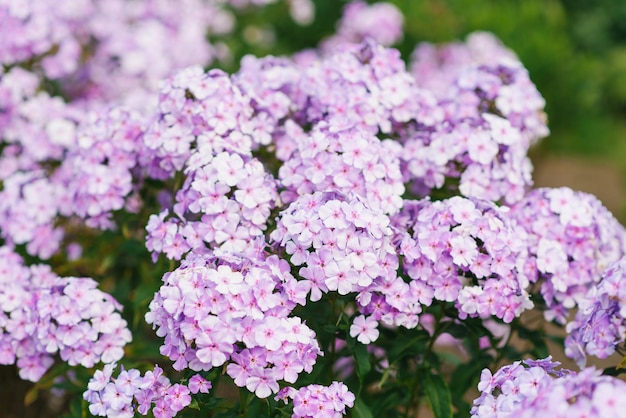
(408, 344)
(361, 410)
(362, 358)
(438, 395)
(613, 371)
(466, 375)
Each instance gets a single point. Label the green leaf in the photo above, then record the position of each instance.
(194, 404)
(361, 410)
(622, 364)
(438, 395)
(362, 357)
(411, 344)
(465, 375)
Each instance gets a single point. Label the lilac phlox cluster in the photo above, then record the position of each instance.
(131, 392)
(485, 154)
(271, 83)
(364, 85)
(42, 315)
(29, 204)
(349, 161)
(465, 251)
(600, 323)
(140, 44)
(40, 27)
(499, 84)
(436, 67)
(34, 126)
(573, 238)
(98, 173)
(110, 49)
(200, 111)
(318, 401)
(382, 22)
(234, 312)
(342, 245)
(535, 388)
(224, 203)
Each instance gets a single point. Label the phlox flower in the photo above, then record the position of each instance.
(364, 329)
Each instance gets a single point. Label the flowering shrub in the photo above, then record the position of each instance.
(314, 235)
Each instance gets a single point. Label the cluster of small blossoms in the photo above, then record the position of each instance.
(224, 203)
(600, 323)
(34, 126)
(366, 86)
(486, 155)
(98, 173)
(536, 388)
(499, 84)
(340, 244)
(131, 392)
(29, 204)
(110, 48)
(232, 311)
(317, 400)
(382, 22)
(42, 315)
(362, 85)
(200, 110)
(348, 161)
(573, 238)
(227, 195)
(436, 67)
(465, 251)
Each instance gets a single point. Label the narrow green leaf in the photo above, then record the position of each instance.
(361, 410)
(362, 357)
(438, 395)
(622, 364)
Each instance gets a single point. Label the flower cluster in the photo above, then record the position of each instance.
(600, 323)
(235, 311)
(382, 22)
(318, 401)
(465, 251)
(42, 314)
(536, 388)
(98, 173)
(484, 154)
(482, 76)
(109, 49)
(344, 246)
(129, 392)
(34, 126)
(363, 85)
(348, 161)
(203, 111)
(436, 67)
(227, 195)
(572, 239)
(492, 114)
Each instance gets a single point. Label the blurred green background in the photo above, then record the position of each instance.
(575, 51)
